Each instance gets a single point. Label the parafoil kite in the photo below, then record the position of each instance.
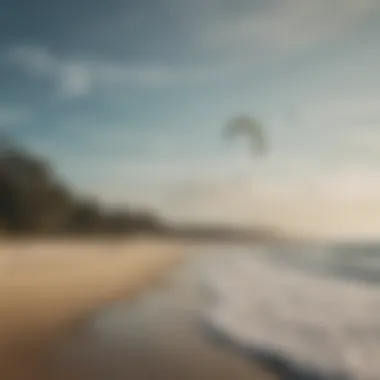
(249, 127)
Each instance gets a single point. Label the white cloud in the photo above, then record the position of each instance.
(254, 33)
(288, 25)
(143, 75)
(77, 77)
(70, 79)
(75, 80)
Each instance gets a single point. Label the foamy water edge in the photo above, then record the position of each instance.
(317, 322)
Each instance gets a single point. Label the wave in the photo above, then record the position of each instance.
(309, 313)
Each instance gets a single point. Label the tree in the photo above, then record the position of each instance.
(34, 201)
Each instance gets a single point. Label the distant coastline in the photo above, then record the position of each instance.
(220, 233)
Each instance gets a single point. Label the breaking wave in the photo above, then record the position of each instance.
(311, 313)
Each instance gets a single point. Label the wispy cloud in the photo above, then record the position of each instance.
(224, 44)
(288, 25)
(78, 76)
(71, 79)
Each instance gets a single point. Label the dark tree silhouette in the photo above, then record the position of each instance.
(34, 201)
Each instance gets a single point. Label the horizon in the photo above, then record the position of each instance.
(128, 100)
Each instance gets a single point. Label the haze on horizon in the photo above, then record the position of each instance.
(128, 98)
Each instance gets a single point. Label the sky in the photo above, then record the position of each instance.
(128, 99)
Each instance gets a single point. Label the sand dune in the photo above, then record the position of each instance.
(47, 288)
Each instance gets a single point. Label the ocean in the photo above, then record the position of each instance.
(306, 312)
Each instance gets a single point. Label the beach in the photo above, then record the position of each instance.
(115, 310)
(48, 288)
(160, 335)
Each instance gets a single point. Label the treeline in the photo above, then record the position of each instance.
(34, 201)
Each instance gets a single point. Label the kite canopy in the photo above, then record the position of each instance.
(249, 127)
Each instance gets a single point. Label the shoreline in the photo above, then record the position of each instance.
(159, 336)
(55, 325)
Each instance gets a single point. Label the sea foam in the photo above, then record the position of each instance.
(315, 308)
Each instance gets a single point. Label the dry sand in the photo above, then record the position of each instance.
(47, 288)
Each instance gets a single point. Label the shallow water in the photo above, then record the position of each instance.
(314, 309)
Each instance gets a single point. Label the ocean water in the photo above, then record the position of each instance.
(311, 312)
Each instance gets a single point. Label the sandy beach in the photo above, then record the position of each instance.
(55, 323)
(46, 289)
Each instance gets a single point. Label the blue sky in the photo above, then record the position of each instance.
(128, 99)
